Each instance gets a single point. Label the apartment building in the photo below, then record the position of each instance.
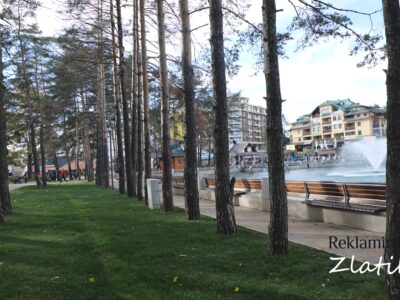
(336, 121)
(247, 123)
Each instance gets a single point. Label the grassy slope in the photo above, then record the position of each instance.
(61, 238)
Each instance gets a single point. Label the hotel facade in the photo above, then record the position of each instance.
(333, 122)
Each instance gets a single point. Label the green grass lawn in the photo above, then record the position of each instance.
(77, 241)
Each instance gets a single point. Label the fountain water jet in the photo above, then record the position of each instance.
(372, 151)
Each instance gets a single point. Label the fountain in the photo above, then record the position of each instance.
(371, 151)
(362, 159)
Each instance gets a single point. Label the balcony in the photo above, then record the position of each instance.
(350, 133)
(350, 128)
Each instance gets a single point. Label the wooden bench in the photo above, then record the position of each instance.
(371, 195)
(248, 185)
(296, 187)
(353, 197)
(178, 182)
(242, 186)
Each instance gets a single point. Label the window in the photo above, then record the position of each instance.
(358, 115)
(365, 114)
(334, 118)
(340, 126)
(334, 126)
(358, 123)
(325, 111)
(359, 132)
(299, 139)
(339, 118)
(298, 131)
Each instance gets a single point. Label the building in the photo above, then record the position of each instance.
(247, 123)
(333, 122)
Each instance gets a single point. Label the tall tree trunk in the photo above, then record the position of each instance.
(140, 131)
(134, 95)
(117, 102)
(32, 132)
(27, 89)
(278, 227)
(5, 202)
(166, 147)
(391, 14)
(56, 166)
(146, 118)
(43, 154)
(30, 172)
(78, 144)
(67, 152)
(125, 107)
(226, 223)
(102, 145)
(86, 140)
(191, 189)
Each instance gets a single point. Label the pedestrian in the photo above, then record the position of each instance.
(63, 175)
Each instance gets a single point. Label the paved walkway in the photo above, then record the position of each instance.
(14, 186)
(304, 232)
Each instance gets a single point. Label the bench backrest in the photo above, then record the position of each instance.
(326, 191)
(367, 194)
(295, 187)
(248, 185)
(240, 184)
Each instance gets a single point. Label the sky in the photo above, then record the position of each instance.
(308, 77)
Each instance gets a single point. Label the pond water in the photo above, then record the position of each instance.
(342, 174)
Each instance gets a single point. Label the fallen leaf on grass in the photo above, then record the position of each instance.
(55, 278)
(92, 279)
(175, 279)
(237, 289)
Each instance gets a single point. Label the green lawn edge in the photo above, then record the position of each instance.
(79, 241)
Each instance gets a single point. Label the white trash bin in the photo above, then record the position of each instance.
(154, 193)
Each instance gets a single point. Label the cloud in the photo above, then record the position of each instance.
(308, 78)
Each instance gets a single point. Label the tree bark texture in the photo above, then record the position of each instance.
(391, 13)
(190, 173)
(30, 171)
(32, 132)
(87, 151)
(5, 202)
(146, 118)
(134, 95)
(125, 106)
(166, 147)
(226, 223)
(139, 182)
(117, 103)
(278, 227)
(43, 155)
(102, 145)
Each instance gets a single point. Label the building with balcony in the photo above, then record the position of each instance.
(247, 123)
(335, 121)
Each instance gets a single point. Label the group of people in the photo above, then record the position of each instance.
(62, 175)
